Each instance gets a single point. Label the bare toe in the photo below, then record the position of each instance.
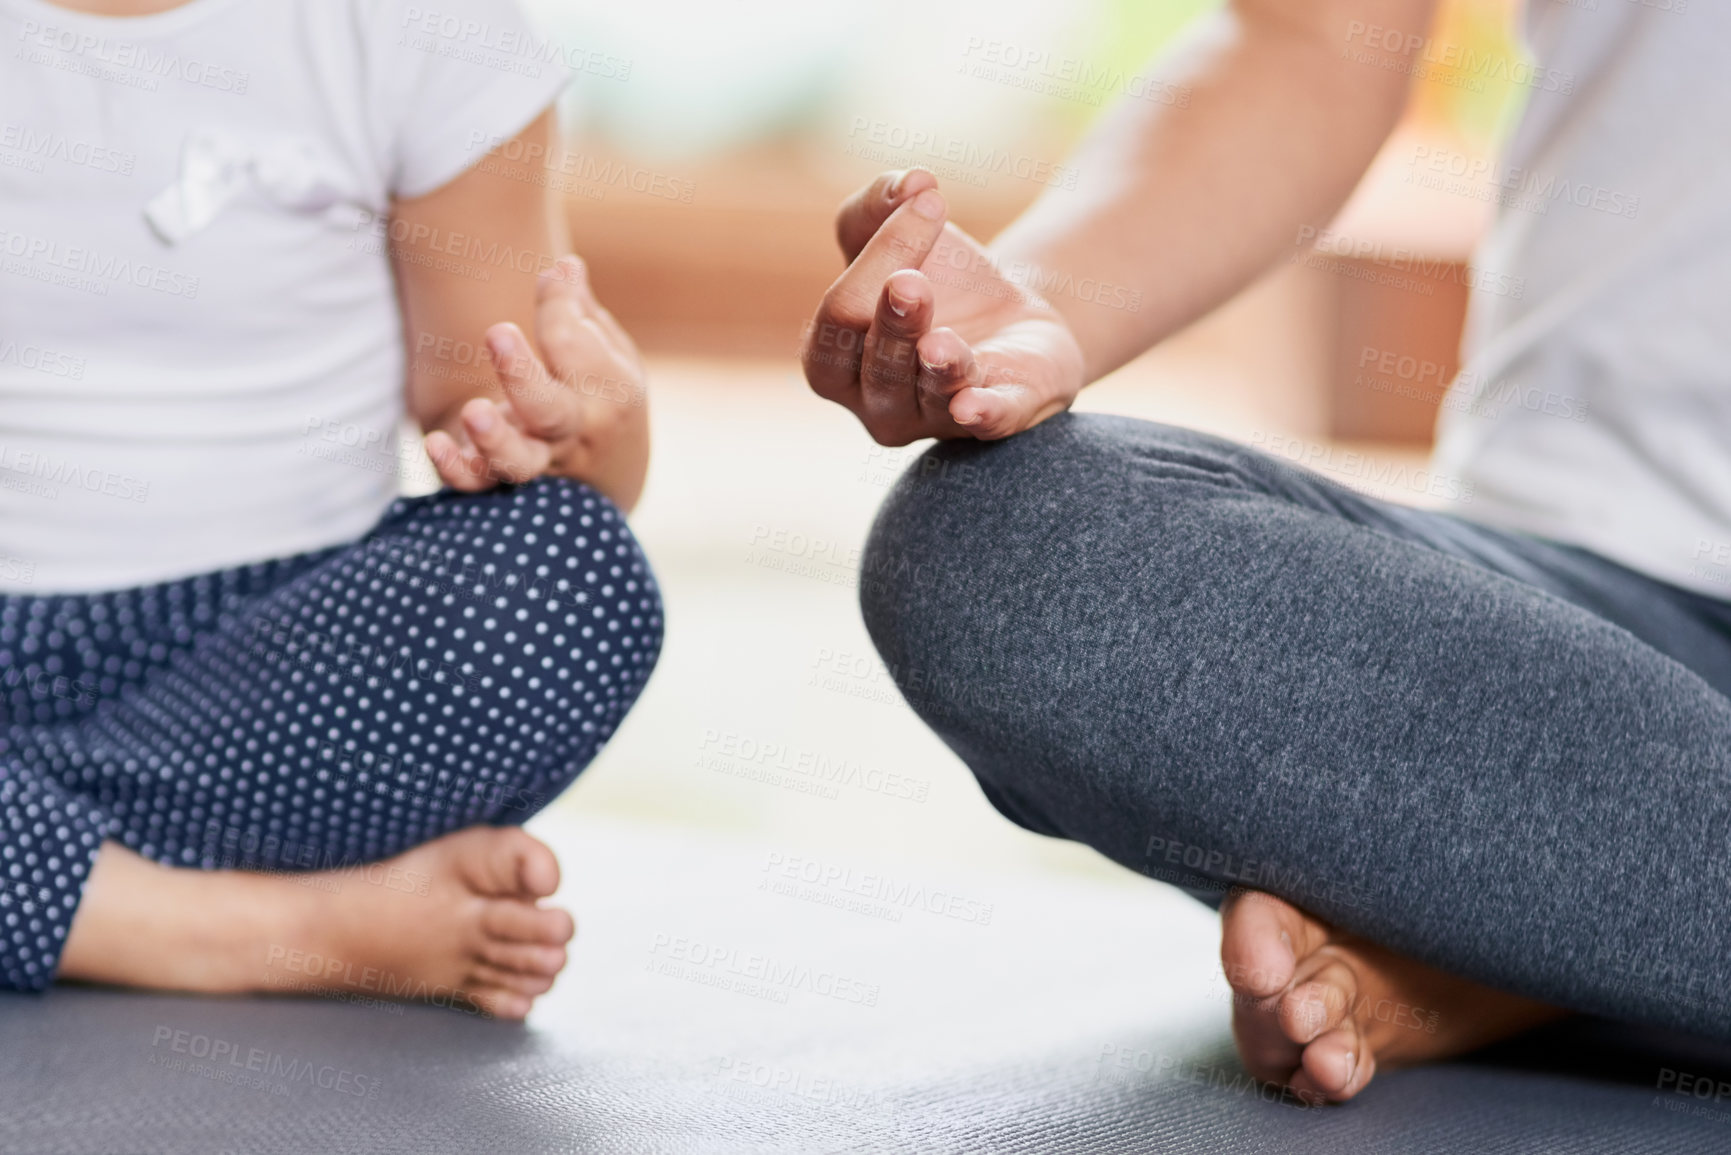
(502, 1003)
(524, 958)
(1343, 1002)
(1261, 941)
(1263, 1047)
(1336, 1066)
(511, 862)
(524, 922)
(537, 869)
(492, 978)
(1320, 997)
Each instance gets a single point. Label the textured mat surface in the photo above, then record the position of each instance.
(1080, 1019)
(90, 1071)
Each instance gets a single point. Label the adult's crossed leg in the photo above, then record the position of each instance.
(1502, 757)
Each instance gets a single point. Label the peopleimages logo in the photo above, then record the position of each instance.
(1527, 189)
(728, 967)
(40, 359)
(255, 1061)
(62, 471)
(898, 142)
(783, 871)
(1361, 471)
(499, 46)
(1038, 69)
(1423, 56)
(564, 170)
(57, 146)
(1311, 242)
(102, 269)
(158, 63)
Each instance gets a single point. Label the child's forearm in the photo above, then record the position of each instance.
(497, 405)
(497, 207)
(573, 402)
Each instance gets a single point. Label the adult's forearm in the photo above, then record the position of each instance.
(1180, 205)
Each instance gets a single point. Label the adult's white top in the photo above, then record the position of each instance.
(201, 352)
(1595, 402)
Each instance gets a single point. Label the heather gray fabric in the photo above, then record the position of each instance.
(1505, 757)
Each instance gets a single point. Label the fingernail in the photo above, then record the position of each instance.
(929, 204)
(898, 306)
(1287, 939)
(501, 346)
(895, 189)
(1351, 1064)
(481, 420)
(564, 269)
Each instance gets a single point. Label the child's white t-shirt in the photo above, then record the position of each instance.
(201, 352)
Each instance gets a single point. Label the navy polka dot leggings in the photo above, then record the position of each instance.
(459, 665)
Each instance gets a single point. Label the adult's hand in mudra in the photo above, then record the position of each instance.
(924, 335)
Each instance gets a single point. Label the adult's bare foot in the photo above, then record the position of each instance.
(1320, 1011)
(457, 920)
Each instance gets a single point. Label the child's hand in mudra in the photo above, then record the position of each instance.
(580, 414)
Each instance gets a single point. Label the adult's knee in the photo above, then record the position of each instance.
(925, 555)
(973, 528)
(966, 536)
(1006, 585)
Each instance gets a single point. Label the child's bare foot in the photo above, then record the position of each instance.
(456, 921)
(1320, 1010)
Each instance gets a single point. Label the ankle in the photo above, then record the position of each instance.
(264, 918)
(167, 928)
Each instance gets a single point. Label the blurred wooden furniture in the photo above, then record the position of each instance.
(736, 268)
(1399, 309)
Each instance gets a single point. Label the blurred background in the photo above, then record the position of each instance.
(710, 154)
(714, 146)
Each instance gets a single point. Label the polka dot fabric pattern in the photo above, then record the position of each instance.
(460, 665)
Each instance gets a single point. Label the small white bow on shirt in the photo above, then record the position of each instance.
(217, 165)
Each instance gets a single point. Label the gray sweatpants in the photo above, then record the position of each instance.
(1503, 756)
